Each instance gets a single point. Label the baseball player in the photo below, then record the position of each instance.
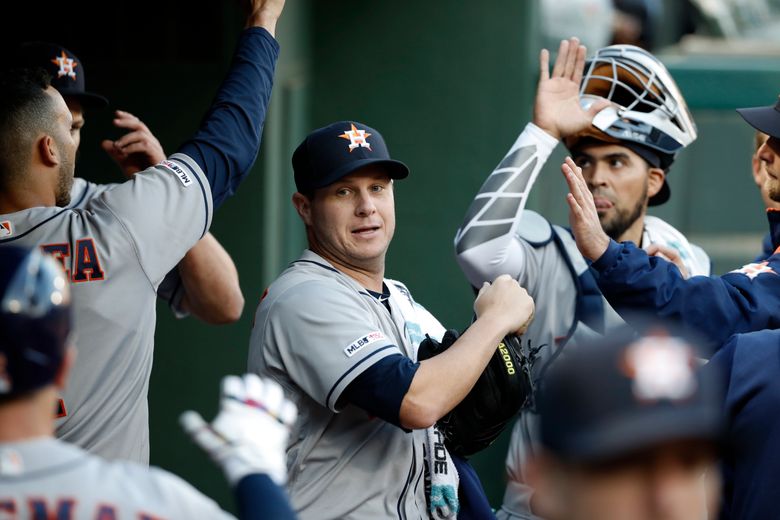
(750, 365)
(205, 282)
(626, 144)
(118, 249)
(758, 168)
(743, 300)
(342, 339)
(43, 477)
(629, 428)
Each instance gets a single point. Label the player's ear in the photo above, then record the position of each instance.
(61, 378)
(655, 180)
(302, 205)
(46, 148)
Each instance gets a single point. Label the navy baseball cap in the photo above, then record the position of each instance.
(35, 319)
(765, 119)
(334, 151)
(64, 67)
(625, 393)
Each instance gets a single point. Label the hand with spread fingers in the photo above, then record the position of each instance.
(591, 239)
(557, 108)
(249, 435)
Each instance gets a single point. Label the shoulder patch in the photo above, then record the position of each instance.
(753, 270)
(184, 177)
(362, 341)
(6, 229)
(534, 228)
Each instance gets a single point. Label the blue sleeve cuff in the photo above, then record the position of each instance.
(381, 388)
(609, 258)
(259, 498)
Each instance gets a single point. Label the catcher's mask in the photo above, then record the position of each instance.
(648, 111)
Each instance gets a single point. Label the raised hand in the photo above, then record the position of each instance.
(557, 108)
(138, 149)
(583, 217)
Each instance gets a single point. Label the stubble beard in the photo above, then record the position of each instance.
(623, 219)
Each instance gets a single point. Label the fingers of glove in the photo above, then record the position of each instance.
(201, 432)
(268, 395)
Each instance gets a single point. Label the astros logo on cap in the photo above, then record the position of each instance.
(66, 65)
(661, 367)
(356, 138)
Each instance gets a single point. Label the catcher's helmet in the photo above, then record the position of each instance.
(649, 114)
(35, 319)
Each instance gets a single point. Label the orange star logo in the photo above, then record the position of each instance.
(357, 138)
(66, 66)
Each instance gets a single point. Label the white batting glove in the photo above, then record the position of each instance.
(249, 435)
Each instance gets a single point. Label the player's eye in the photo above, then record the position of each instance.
(343, 192)
(376, 188)
(582, 162)
(616, 163)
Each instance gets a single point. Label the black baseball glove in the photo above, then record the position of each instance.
(502, 390)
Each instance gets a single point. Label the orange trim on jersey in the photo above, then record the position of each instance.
(61, 410)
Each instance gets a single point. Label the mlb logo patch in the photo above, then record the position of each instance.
(177, 170)
(363, 341)
(6, 230)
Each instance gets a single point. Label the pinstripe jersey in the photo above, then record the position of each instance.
(48, 478)
(315, 331)
(116, 250)
(498, 236)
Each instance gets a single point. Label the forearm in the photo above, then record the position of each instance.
(442, 381)
(716, 307)
(484, 242)
(210, 279)
(227, 143)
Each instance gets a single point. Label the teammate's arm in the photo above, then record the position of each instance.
(443, 381)
(227, 143)
(741, 301)
(486, 244)
(205, 283)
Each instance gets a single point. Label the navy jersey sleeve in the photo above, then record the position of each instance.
(743, 300)
(227, 143)
(259, 498)
(381, 388)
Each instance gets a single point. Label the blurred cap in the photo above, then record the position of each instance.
(625, 393)
(35, 319)
(765, 119)
(334, 151)
(65, 68)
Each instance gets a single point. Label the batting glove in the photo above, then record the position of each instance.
(249, 435)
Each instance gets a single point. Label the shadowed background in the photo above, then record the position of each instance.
(448, 83)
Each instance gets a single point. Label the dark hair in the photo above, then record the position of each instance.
(25, 111)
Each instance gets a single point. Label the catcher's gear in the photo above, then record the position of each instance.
(35, 319)
(501, 391)
(648, 109)
(249, 435)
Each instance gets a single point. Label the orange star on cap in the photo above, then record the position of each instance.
(357, 138)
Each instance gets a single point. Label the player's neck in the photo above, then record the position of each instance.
(634, 232)
(18, 197)
(28, 417)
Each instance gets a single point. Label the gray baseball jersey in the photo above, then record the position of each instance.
(499, 236)
(170, 289)
(48, 478)
(315, 331)
(116, 250)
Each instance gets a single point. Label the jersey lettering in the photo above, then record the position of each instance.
(84, 266)
(106, 512)
(63, 510)
(87, 264)
(60, 252)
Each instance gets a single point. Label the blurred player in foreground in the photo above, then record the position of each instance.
(43, 477)
(630, 428)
